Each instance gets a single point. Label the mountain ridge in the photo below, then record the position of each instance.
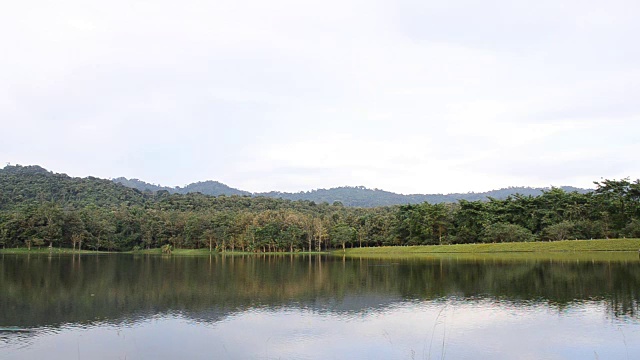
(352, 196)
(208, 187)
(357, 196)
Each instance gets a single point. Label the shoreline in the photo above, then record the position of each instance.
(604, 245)
(626, 250)
(562, 246)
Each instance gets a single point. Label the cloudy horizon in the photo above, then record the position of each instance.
(405, 96)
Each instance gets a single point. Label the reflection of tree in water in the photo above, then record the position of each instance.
(42, 290)
(556, 283)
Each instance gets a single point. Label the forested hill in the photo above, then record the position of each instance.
(358, 196)
(23, 185)
(364, 197)
(209, 187)
(102, 191)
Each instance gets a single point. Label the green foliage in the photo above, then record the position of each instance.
(561, 231)
(504, 232)
(40, 208)
(586, 229)
(343, 234)
(632, 230)
(166, 249)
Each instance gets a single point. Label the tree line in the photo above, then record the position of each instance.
(40, 208)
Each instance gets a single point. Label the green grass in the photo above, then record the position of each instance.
(560, 256)
(205, 252)
(46, 250)
(529, 247)
(538, 246)
(155, 251)
(185, 252)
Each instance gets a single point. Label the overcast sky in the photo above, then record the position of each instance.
(411, 96)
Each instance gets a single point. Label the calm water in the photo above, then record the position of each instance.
(297, 307)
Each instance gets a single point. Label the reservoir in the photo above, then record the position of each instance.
(125, 306)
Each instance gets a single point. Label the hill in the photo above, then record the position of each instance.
(209, 187)
(363, 197)
(358, 196)
(28, 185)
(102, 191)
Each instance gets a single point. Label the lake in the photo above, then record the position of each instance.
(319, 307)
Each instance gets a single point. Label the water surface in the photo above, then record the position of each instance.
(319, 307)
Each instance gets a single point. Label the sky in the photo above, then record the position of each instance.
(405, 95)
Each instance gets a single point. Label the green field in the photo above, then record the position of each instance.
(181, 252)
(609, 245)
(205, 252)
(538, 246)
(46, 250)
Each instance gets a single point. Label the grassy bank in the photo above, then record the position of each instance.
(205, 252)
(560, 256)
(46, 250)
(528, 247)
(538, 246)
(179, 252)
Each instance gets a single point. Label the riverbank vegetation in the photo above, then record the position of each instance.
(42, 209)
(537, 246)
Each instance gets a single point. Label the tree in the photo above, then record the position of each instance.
(632, 229)
(150, 229)
(343, 234)
(49, 223)
(438, 218)
(560, 231)
(621, 199)
(100, 227)
(320, 232)
(194, 229)
(73, 229)
(503, 232)
(470, 219)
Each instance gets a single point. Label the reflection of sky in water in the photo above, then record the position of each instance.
(454, 329)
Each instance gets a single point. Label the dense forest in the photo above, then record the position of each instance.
(41, 208)
(348, 195)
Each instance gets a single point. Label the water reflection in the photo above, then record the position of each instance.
(116, 306)
(407, 330)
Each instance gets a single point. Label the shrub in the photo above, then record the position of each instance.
(589, 230)
(504, 232)
(632, 230)
(561, 231)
